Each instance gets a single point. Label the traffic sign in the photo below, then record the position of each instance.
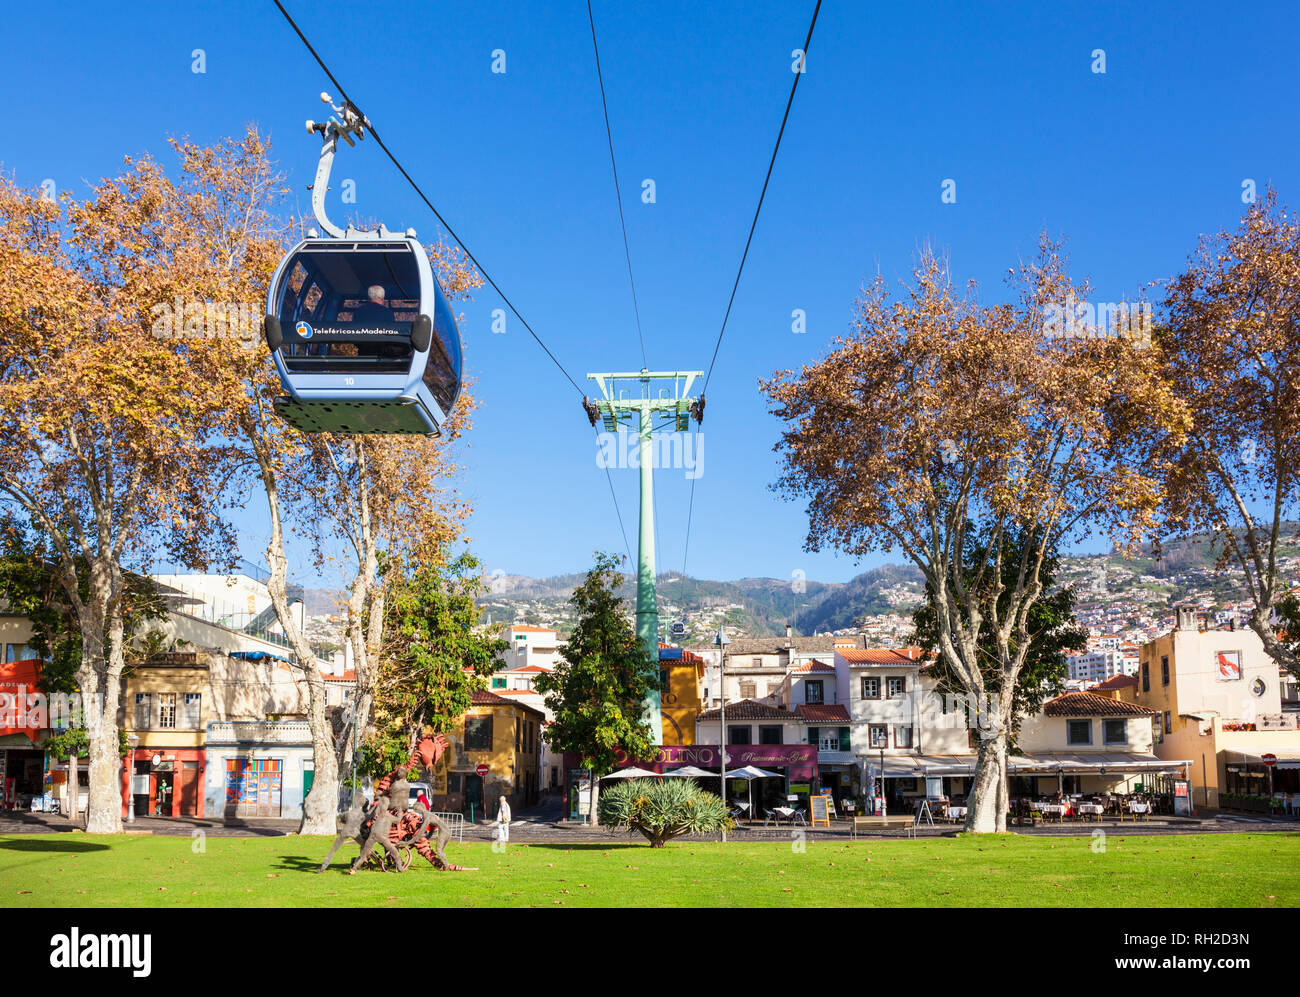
(1268, 759)
(481, 770)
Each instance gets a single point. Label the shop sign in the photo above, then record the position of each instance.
(799, 759)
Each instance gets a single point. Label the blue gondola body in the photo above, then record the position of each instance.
(362, 336)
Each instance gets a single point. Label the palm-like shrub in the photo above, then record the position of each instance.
(662, 809)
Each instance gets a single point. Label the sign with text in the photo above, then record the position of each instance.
(799, 760)
(819, 810)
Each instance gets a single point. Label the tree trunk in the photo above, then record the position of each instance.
(985, 813)
(320, 808)
(592, 819)
(104, 801)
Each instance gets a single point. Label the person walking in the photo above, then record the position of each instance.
(503, 820)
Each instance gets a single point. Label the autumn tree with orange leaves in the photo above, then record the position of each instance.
(938, 419)
(106, 442)
(375, 498)
(1231, 349)
(136, 410)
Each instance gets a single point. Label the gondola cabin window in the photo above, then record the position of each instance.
(350, 311)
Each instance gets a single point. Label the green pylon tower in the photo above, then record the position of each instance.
(649, 400)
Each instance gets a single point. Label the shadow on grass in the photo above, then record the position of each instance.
(309, 863)
(592, 846)
(28, 845)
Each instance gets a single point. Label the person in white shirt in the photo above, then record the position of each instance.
(503, 820)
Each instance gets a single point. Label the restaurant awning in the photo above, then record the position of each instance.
(831, 759)
(1118, 762)
(902, 766)
(1287, 758)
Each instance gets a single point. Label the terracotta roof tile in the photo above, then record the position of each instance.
(749, 709)
(481, 697)
(1087, 704)
(813, 666)
(881, 655)
(1117, 682)
(823, 714)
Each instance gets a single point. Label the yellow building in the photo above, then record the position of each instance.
(1218, 697)
(681, 673)
(167, 704)
(494, 751)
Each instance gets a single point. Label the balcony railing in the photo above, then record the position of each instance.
(259, 732)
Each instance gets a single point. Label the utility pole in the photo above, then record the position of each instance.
(653, 400)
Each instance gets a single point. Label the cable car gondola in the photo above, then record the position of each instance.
(362, 336)
(361, 333)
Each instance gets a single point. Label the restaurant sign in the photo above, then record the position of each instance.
(22, 705)
(799, 760)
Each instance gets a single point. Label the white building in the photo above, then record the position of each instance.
(1101, 664)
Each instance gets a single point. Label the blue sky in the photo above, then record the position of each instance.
(1131, 166)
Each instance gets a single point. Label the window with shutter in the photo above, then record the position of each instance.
(143, 710)
(192, 715)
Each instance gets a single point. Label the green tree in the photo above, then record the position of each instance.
(32, 585)
(662, 809)
(433, 658)
(1051, 631)
(596, 691)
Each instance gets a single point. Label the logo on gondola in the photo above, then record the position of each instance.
(303, 330)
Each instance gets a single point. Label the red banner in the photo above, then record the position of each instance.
(22, 706)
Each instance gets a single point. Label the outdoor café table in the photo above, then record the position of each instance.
(1095, 809)
(1057, 810)
(1140, 808)
(783, 813)
(956, 813)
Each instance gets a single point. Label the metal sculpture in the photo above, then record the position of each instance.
(390, 830)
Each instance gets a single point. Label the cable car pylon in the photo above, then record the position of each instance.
(650, 401)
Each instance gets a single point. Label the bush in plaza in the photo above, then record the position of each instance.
(663, 808)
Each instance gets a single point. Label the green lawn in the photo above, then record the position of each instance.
(1224, 870)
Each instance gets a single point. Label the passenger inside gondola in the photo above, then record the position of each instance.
(376, 308)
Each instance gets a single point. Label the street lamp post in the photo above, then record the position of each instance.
(721, 642)
(131, 740)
